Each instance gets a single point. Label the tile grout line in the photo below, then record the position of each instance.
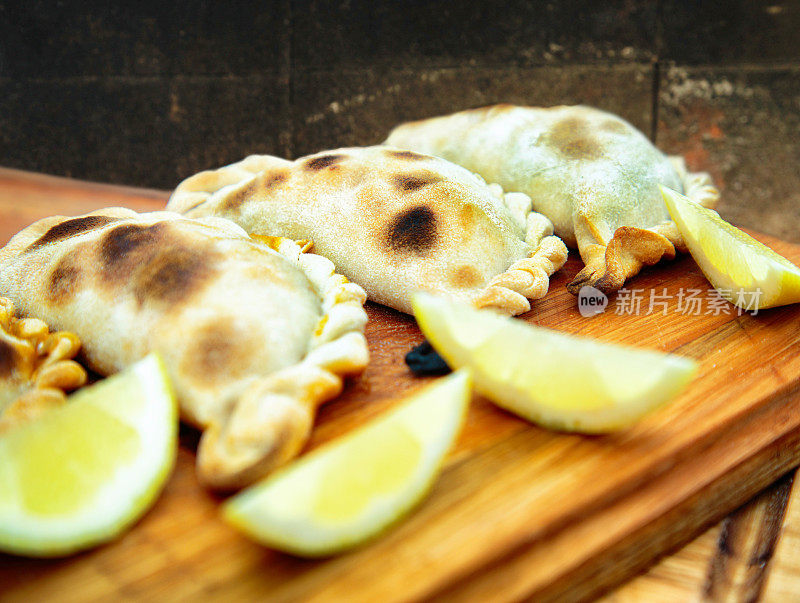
(655, 102)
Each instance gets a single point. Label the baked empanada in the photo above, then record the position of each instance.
(36, 367)
(392, 221)
(592, 173)
(253, 337)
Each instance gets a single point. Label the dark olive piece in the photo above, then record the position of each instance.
(424, 360)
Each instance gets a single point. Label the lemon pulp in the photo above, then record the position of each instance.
(557, 380)
(53, 487)
(744, 271)
(345, 493)
(350, 490)
(81, 473)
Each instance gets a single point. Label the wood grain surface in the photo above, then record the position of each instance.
(518, 511)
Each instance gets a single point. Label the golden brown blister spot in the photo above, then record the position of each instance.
(614, 126)
(274, 178)
(466, 277)
(582, 148)
(572, 138)
(476, 228)
(263, 183)
(412, 231)
(411, 182)
(70, 228)
(410, 155)
(234, 201)
(565, 130)
(125, 247)
(221, 351)
(174, 275)
(64, 280)
(468, 216)
(318, 163)
(158, 263)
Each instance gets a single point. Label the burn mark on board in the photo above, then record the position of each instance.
(70, 228)
(413, 231)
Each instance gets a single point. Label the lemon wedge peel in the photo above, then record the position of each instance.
(124, 429)
(556, 380)
(744, 271)
(354, 488)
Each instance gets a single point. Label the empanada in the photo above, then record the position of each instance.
(592, 173)
(253, 338)
(392, 221)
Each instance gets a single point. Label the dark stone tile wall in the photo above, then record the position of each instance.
(143, 94)
(743, 126)
(152, 92)
(360, 107)
(452, 33)
(702, 32)
(145, 131)
(58, 39)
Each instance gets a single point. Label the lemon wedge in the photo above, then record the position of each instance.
(556, 380)
(745, 272)
(350, 490)
(82, 473)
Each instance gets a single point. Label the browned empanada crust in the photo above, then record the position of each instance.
(392, 221)
(590, 172)
(253, 335)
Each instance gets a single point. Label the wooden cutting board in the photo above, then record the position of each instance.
(518, 511)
